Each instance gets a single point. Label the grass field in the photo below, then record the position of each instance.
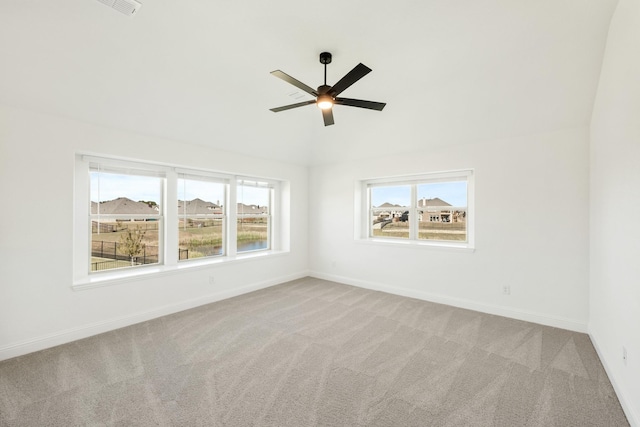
(199, 238)
(456, 231)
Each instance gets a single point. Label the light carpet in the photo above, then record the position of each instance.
(315, 353)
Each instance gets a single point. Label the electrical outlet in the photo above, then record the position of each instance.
(624, 355)
(506, 290)
(211, 280)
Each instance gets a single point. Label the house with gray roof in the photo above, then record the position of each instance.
(252, 209)
(198, 207)
(122, 206)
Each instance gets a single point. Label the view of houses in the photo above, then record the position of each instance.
(437, 220)
(429, 210)
(201, 228)
(125, 206)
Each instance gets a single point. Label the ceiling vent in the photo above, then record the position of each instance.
(127, 7)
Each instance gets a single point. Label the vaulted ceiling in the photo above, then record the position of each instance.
(451, 71)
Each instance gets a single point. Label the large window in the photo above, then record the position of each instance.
(430, 208)
(132, 216)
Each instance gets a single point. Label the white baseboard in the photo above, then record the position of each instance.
(632, 416)
(528, 316)
(73, 334)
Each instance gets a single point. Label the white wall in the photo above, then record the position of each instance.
(38, 308)
(615, 208)
(531, 229)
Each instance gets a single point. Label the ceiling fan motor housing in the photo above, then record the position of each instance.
(324, 89)
(325, 58)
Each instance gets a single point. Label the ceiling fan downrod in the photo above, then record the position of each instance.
(325, 58)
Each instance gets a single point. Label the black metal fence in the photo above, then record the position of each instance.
(108, 265)
(111, 250)
(101, 227)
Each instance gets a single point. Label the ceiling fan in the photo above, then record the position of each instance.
(327, 96)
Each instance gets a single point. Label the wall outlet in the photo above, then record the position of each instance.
(211, 280)
(506, 290)
(624, 355)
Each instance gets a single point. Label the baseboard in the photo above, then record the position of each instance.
(528, 316)
(63, 337)
(632, 416)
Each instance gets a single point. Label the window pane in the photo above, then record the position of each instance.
(253, 212)
(113, 193)
(123, 243)
(200, 218)
(442, 211)
(202, 197)
(390, 211)
(253, 200)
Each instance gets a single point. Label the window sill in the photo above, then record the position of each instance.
(447, 246)
(98, 280)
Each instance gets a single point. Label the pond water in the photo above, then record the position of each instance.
(252, 245)
(246, 246)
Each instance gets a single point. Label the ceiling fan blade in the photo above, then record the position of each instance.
(371, 105)
(327, 115)
(358, 72)
(297, 83)
(288, 107)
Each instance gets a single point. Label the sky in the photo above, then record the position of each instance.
(454, 193)
(147, 188)
(189, 189)
(107, 186)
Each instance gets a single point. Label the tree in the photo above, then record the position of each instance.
(131, 243)
(149, 203)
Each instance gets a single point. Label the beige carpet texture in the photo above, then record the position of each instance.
(315, 353)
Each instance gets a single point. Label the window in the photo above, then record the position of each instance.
(201, 217)
(253, 215)
(135, 218)
(126, 217)
(430, 209)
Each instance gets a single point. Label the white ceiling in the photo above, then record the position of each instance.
(197, 71)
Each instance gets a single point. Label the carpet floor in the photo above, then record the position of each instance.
(315, 353)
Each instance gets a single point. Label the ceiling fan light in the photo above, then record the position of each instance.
(325, 102)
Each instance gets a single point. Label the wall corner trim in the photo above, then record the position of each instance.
(528, 316)
(632, 416)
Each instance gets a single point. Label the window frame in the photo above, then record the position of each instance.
(364, 209)
(193, 176)
(83, 278)
(134, 169)
(271, 186)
